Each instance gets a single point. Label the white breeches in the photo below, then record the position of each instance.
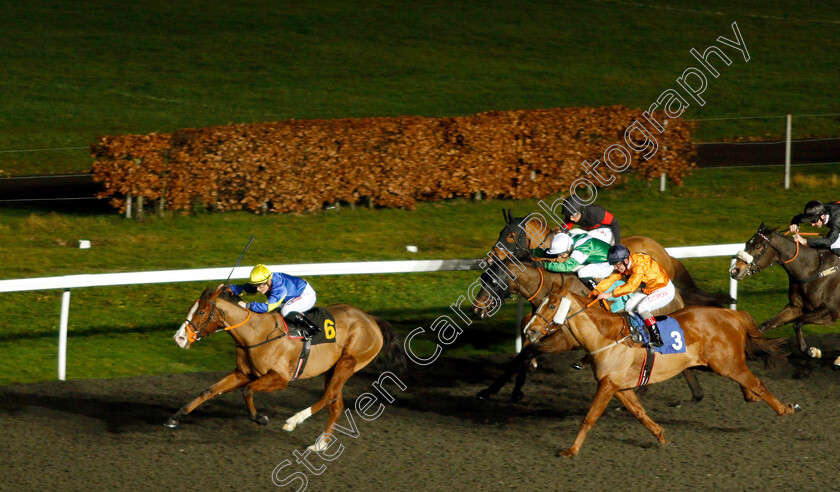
(603, 234)
(644, 304)
(596, 270)
(301, 303)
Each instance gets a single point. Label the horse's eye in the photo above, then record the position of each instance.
(551, 306)
(201, 312)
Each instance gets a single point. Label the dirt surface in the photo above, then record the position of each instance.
(108, 434)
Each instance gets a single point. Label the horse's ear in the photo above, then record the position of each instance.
(509, 217)
(215, 294)
(762, 227)
(504, 215)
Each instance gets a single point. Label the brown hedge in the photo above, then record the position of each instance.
(301, 165)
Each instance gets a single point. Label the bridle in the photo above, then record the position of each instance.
(547, 331)
(198, 332)
(752, 260)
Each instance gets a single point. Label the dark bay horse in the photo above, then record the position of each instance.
(813, 280)
(266, 359)
(717, 338)
(520, 236)
(534, 284)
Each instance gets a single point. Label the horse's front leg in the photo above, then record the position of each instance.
(269, 382)
(785, 316)
(606, 390)
(228, 383)
(519, 363)
(634, 406)
(821, 316)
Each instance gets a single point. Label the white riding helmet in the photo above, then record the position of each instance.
(561, 243)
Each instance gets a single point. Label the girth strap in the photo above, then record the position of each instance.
(647, 367)
(304, 355)
(821, 274)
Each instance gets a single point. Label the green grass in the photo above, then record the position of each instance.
(75, 71)
(127, 330)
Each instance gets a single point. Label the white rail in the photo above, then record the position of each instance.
(68, 282)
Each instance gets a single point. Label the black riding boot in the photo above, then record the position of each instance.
(589, 282)
(310, 329)
(655, 337)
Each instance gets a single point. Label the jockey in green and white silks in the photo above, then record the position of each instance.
(583, 255)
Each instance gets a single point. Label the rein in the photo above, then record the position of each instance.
(542, 280)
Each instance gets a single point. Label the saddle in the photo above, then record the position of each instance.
(319, 317)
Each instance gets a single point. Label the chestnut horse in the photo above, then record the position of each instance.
(813, 280)
(521, 235)
(534, 284)
(266, 359)
(714, 337)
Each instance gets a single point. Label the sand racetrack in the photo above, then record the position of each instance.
(108, 434)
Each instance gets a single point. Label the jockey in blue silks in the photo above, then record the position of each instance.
(294, 294)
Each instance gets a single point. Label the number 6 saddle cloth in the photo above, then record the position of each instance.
(323, 319)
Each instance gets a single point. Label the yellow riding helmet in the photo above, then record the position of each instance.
(260, 275)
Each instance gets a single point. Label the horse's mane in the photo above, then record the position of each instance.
(225, 295)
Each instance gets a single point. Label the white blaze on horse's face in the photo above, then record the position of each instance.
(181, 335)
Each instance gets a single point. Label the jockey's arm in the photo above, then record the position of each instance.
(630, 286)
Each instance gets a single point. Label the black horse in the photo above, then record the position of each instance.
(813, 280)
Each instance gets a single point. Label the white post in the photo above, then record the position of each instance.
(128, 206)
(662, 183)
(519, 325)
(62, 335)
(733, 285)
(787, 153)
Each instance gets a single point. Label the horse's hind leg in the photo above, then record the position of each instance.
(738, 371)
(606, 390)
(633, 405)
(228, 383)
(694, 385)
(271, 381)
(341, 371)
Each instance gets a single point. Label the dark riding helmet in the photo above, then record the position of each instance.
(571, 207)
(813, 210)
(617, 253)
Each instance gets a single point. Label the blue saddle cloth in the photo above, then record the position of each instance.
(673, 337)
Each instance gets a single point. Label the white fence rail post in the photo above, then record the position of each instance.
(62, 334)
(787, 152)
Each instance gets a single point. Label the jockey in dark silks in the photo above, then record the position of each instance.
(820, 215)
(594, 219)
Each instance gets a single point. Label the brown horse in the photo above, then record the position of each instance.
(714, 337)
(813, 280)
(521, 235)
(266, 359)
(534, 284)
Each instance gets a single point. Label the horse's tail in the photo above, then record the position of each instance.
(693, 295)
(771, 349)
(391, 346)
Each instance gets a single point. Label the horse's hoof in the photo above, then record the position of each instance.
(516, 396)
(814, 352)
(795, 407)
(483, 395)
(577, 365)
(565, 453)
(288, 427)
(172, 423)
(261, 419)
(696, 399)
